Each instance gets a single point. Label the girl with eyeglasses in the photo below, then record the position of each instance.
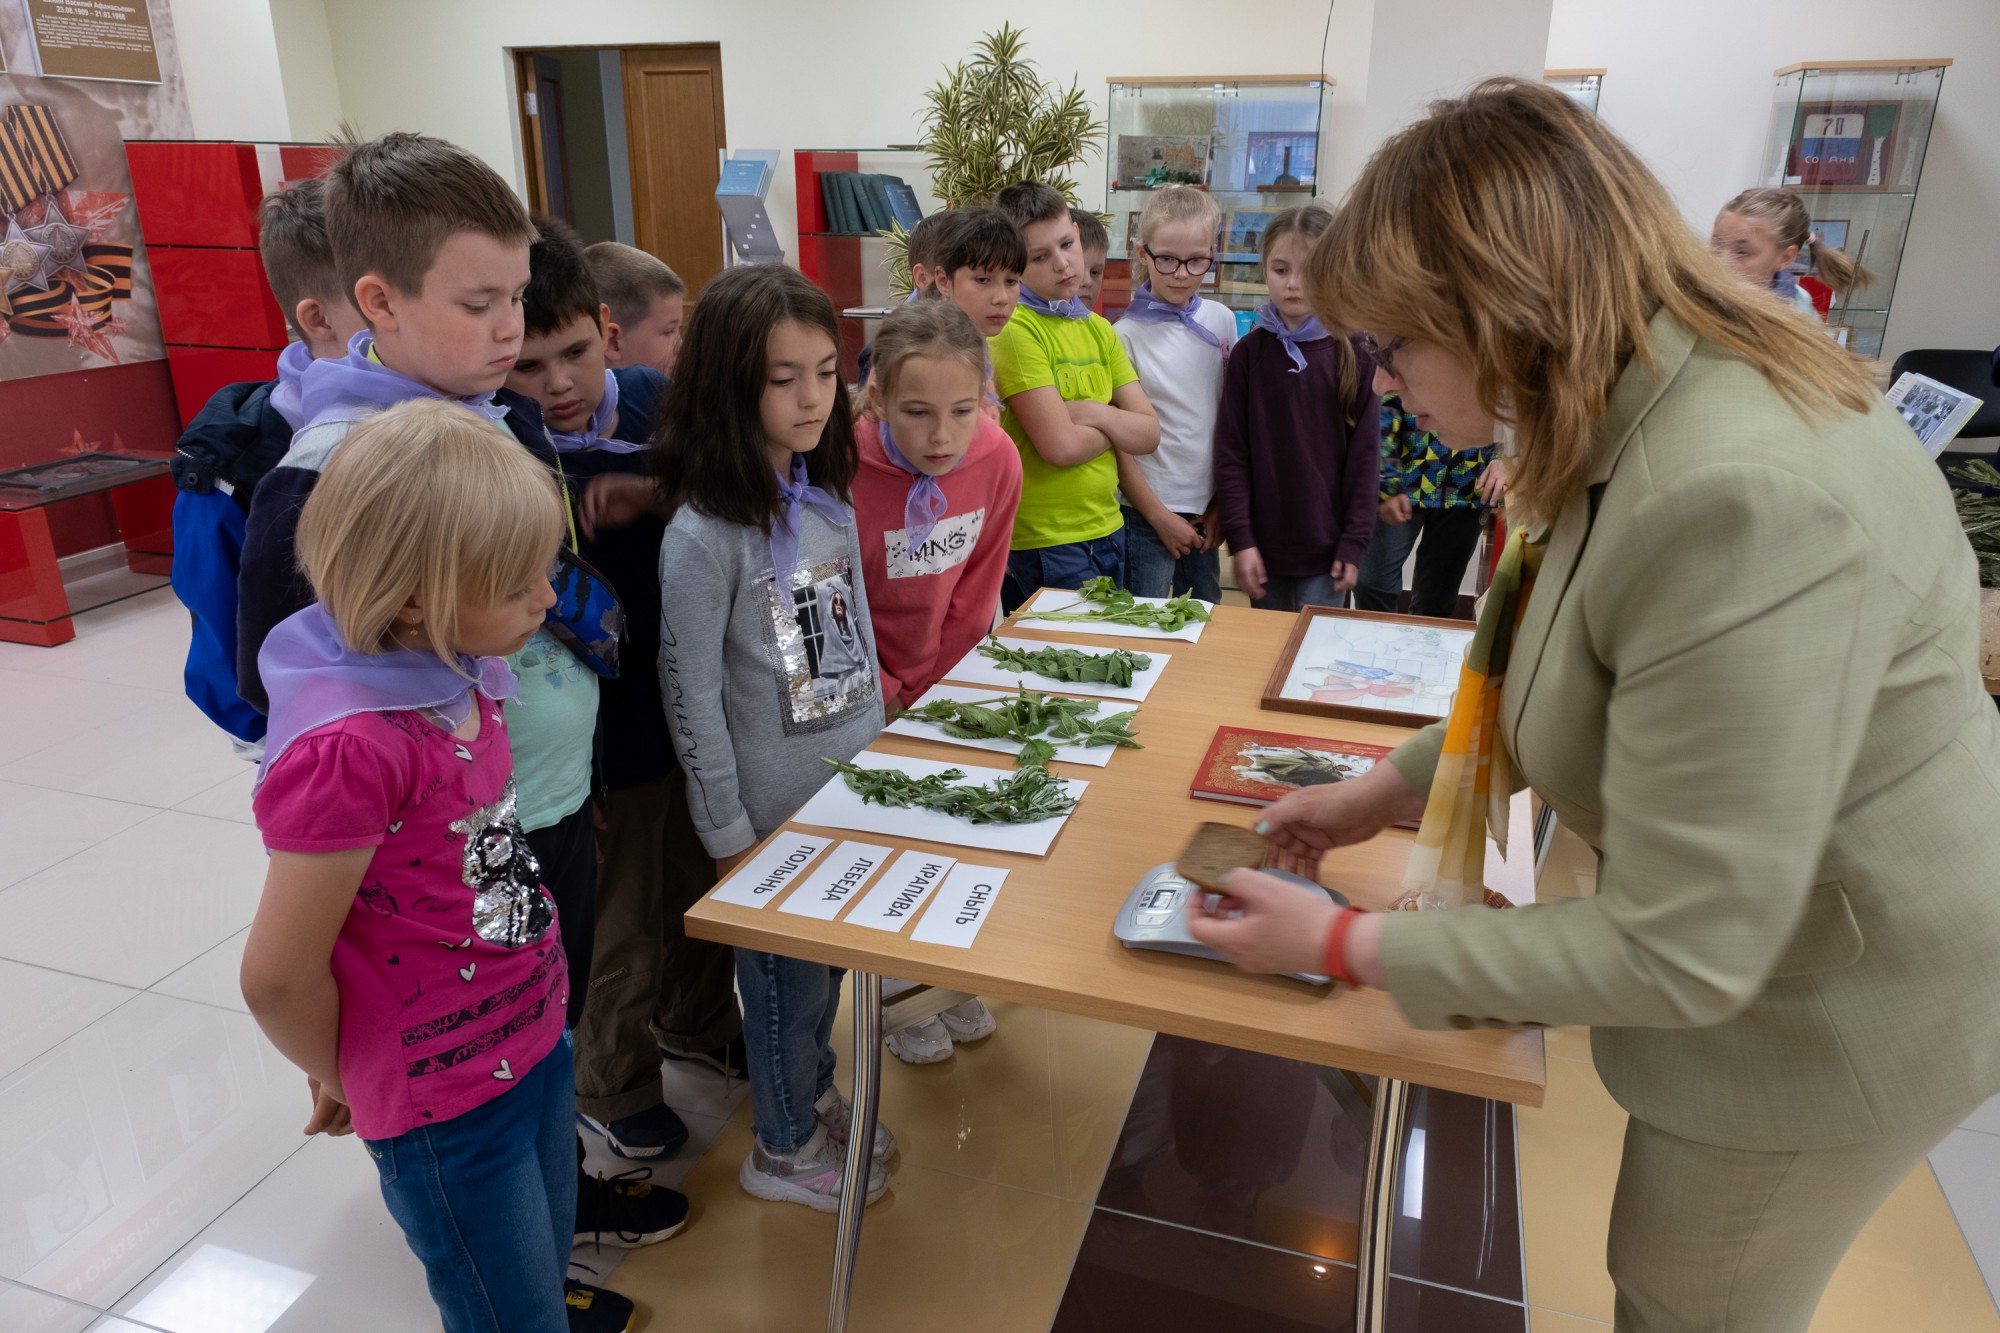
(1296, 440)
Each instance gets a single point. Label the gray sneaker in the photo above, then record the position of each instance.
(836, 1113)
(811, 1176)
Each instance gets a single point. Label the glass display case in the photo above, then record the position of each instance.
(1581, 85)
(1251, 141)
(1850, 136)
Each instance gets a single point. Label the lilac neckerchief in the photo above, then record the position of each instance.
(292, 364)
(1070, 307)
(915, 296)
(346, 388)
(1309, 332)
(1783, 283)
(314, 677)
(926, 502)
(797, 494)
(592, 436)
(1150, 309)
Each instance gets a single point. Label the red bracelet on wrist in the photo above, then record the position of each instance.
(1335, 964)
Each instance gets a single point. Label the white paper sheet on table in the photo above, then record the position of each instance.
(1097, 756)
(976, 668)
(762, 879)
(834, 806)
(831, 885)
(961, 907)
(1056, 599)
(898, 896)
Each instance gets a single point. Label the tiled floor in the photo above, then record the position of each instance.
(152, 1176)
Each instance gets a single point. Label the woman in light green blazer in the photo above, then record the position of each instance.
(1746, 675)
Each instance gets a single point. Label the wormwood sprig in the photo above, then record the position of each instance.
(1112, 605)
(1029, 716)
(1116, 667)
(1026, 796)
(1979, 515)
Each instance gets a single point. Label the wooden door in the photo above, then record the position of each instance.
(674, 135)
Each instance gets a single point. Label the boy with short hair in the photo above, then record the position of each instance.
(1095, 243)
(658, 992)
(1070, 401)
(431, 247)
(926, 239)
(645, 301)
(978, 268)
(238, 436)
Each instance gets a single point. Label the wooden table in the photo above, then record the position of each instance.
(1048, 940)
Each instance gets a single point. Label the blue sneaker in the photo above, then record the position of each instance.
(653, 1132)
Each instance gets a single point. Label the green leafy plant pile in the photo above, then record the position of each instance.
(1979, 515)
(1068, 664)
(1109, 604)
(1032, 718)
(1025, 796)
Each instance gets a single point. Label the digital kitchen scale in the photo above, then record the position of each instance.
(1155, 914)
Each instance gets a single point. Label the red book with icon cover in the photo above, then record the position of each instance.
(1251, 767)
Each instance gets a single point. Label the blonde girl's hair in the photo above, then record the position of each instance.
(1174, 204)
(426, 498)
(926, 328)
(1510, 228)
(1784, 214)
(1309, 222)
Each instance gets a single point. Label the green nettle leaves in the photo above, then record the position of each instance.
(1979, 515)
(1069, 664)
(1032, 718)
(994, 122)
(1111, 605)
(1025, 796)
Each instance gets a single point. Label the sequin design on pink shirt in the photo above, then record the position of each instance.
(508, 906)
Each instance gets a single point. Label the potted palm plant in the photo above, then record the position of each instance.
(994, 121)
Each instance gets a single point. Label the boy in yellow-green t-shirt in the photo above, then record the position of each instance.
(1071, 401)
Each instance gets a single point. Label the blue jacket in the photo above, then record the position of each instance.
(272, 586)
(232, 442)
(633, 744)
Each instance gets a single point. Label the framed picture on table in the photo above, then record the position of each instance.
(1843, 145)
(1369, 666)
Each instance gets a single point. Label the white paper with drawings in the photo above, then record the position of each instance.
(976, 668)
(834, 806)
(762, 879)
(830, 885)
(962, 904)
(1097, 756)
(892, 904)
(1058, 599)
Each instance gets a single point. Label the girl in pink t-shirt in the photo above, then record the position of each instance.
(934, 504)
(405, 953)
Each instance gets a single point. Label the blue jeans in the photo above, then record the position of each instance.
(487, 1202)
(1070, 565)
(1283, 592)
(788, 1008)
(1151, 572)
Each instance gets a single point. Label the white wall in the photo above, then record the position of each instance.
(305, 63)
(810, 75)
(229, 62)
(1689, 85)
(1421, 50)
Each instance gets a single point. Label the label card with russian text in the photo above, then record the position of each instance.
(892, 904)
(961, 906)
(763, 878)
(830, 885)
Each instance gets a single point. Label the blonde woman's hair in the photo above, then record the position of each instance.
(428, 498)
(1784, 214)
(1509, 227)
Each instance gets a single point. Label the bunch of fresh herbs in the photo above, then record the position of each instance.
(1026, 796)
(1979, 515)
(1029, 716)
(1116, 667)
(1109, 604)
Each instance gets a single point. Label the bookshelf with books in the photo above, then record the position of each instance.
(846, 196)
(1251, 141)
(1850, 136)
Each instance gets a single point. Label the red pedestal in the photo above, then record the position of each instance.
(33, 607)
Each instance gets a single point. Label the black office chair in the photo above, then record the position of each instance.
(1969, 371)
